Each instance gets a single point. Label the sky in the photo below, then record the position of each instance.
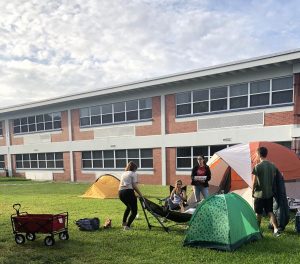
(53, 48)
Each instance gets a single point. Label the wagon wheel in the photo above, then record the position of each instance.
(49, 241)
(63, 235)
(30, 236)
(20, 239)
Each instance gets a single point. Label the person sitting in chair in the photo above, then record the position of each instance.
(177, 197)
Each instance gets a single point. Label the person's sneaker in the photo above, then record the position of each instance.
(276, 234)
(125, 228)
(124, 224)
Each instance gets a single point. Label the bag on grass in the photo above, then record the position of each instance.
(107, 223)
(88, 224)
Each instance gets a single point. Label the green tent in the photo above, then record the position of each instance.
(224, 221)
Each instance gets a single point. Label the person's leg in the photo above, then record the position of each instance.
(196, 190)
(204, 191)
(133, 208)
(123, 195)
(268, 206)
(258, 209)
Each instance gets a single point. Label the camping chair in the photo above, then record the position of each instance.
(162, 201)
(294, 206)
(161, 213)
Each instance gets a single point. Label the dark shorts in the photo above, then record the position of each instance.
(263, 204)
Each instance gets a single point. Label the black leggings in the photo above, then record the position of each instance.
(129, 199)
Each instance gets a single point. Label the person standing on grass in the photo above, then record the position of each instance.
(128, 184)
(200, 186)
(263, 177)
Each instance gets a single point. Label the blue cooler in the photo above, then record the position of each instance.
(297, 222)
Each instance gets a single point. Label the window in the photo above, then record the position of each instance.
(36, 123)
(1, 128)
(52, 160)
(117, 159)
(262, 93)
(186, 157)
(121, 112)
(2, 162)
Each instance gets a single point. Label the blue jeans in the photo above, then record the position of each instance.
(198, 190)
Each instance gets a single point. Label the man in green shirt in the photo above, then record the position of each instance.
(264, 173)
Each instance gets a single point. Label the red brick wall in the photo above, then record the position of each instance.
(171, 169)
(64, 135)
(155, 128)
(66, 175)
(173, 127)
(78, 175)
(76, 133)
(3, 137)
(280, 118)
(297, 98)
(156, 177)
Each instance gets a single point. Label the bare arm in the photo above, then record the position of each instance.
(184, 196)
(136, 188)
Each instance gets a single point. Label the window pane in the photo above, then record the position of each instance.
(40, 118)
(119, 107)
(59, 164)
(86, 155)
(133, 105)
(84, 121)
(33, 156)
(120, 163)
(86, 164)
(201, 150)
(145, 103)
(136, 161)
(260, 86)
(183, 98)
(96, 120)
(108, 154)
(95, 110)
(146, 153)
(133, 153)
(31, 120)
(147, 163)
(239, 102)
(19, 164)
(48, 125)
(16, 130)
(58, 155)
(26, 164)
(259, 99)
(24, 121)
(97, 164)
(133, 115)
(184, 152)
(84, 112)
(18, 157)
(50, 164)
(42, 164)
(34, 164)
(108, 163)
(146, 114)
(57, 116)
(184, 163)
(42, 156)
(57, 124)
(282, 83)
(97, 154)
(201, 95)
(40, 126)
(120, 153)
(25, 156)
(32, 128)
(24, 128)
(201, 107)
(238, 89)
(282, 97)
(119, 117)
(184, 109)
(217, 105)
(50, 156)
(106, 109)
(214, 149)
(220, 92)
(107, 119)
(48, 117)
(17, 122)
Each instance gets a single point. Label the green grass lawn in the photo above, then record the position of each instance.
(115, 245)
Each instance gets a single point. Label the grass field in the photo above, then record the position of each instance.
(115, 245)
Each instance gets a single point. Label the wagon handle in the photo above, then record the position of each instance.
(17, 208)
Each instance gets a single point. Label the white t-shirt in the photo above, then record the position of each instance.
(127, 178)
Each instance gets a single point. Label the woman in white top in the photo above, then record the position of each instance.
(128, 184)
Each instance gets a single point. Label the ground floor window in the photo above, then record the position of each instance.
(50, 160)
(186, 157)
(117, 159)
(2, 162)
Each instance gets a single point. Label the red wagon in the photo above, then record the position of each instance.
(31, 224)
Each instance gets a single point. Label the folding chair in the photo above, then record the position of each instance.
(161, 213)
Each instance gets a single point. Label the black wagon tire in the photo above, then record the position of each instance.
(30, 236)
(63, 235)
(20, 239)
(49, 241)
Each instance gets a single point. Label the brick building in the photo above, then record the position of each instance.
(162, 124)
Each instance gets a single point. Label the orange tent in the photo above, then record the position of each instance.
(236, 163)
(106, 186)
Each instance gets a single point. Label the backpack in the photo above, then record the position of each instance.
(88, 224)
